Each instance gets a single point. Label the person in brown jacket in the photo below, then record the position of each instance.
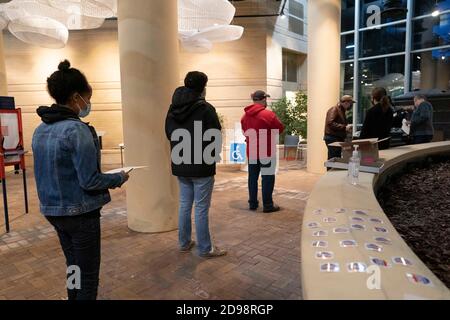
(336, 125)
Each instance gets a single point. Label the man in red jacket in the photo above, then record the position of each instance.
(261, 128)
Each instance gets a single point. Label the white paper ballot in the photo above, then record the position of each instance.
(126, 169)
(406, 129)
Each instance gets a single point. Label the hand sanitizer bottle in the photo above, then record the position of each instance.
(353, 167)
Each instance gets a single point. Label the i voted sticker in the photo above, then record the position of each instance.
(329, 267)
(380, 229)
(418, 279)
(402, 261)
(383, 240)
(376, 220)
(320, 244)
(320, 233)
(318, 211)
(329, 220)
(324, 255)
(360, 212)
(313, 225)
(358, 227)
(373, 247)
(341, 230)
(380, 262)
(356, 267)
(357, 219)
(348, 243)
(340, 210)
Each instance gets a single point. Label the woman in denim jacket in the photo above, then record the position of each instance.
(71, 187)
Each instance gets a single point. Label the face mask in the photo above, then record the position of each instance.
(85, 112)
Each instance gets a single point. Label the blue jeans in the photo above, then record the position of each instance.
(198, 191)
(268, 184)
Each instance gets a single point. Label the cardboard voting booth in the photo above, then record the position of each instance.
(12, 152)
(369, 154)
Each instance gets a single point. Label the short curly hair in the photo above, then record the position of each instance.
(62, 84)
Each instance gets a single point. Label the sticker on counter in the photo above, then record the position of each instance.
(357, 219)
(329, 220)
(358, 227)
(380, 262)
(348, 243)
(380, 229)
(356, 267)
(383, 240)
(418, 279)
(374, 247)
(340, 210)
(318, 211)
(402, 261)
(320, 244)
(376, 220)
(360, 212)
(341, 230)
(313, 225)
(320, 233)
(324, 255)
(329, 267)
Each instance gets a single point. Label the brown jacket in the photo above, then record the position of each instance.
(336, 122)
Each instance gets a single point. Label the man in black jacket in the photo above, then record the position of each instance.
(194, 131)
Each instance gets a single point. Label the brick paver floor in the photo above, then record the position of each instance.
(263, 260)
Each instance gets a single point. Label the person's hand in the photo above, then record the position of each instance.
(349, 128)
(125, 176)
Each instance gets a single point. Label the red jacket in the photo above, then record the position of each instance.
(257, 117)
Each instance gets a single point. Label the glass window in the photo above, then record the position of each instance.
(348, 15)
(424, 7)
(386, 10)
(386, 40)
(384, 72)
(347, 46)
(296, 17)
(347, 78)
(431, 70)
(291, 66)
(432, 32)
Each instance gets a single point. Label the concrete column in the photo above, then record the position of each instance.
(324, 24)
(148, 44)
(3, 80)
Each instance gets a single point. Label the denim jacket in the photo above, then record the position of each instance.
(67, 168)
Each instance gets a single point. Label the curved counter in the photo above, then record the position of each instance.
(338, 211)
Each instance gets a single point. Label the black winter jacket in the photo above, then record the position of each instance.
(188, 106)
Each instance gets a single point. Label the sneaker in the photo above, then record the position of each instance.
(275, 208)
(215, 252)
(253, 208)
(188, 247)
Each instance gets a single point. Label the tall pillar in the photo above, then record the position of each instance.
(324, 38)
(3, 79)
(148, 45)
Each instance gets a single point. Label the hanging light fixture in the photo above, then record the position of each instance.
(216, 34)
(89, 8)
(42, 8)
(199, 14)
(40, 31)
(3, 19)
(436, 10)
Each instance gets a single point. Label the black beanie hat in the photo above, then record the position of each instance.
(196, 81)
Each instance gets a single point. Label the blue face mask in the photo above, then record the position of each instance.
(85, 112)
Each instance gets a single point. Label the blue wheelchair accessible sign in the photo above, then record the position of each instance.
(238, 153)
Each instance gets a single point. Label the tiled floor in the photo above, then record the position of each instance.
(263, 260)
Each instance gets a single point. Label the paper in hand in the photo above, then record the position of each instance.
(126, 169)
(406, 129)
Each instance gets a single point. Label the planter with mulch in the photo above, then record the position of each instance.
(417, 202)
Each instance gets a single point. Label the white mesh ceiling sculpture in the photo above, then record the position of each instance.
(203, 22)
(46, 23)
(89, 8)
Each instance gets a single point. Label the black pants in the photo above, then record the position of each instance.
(421, 139)
(333, 152)
(80, 240)
(268, 183)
